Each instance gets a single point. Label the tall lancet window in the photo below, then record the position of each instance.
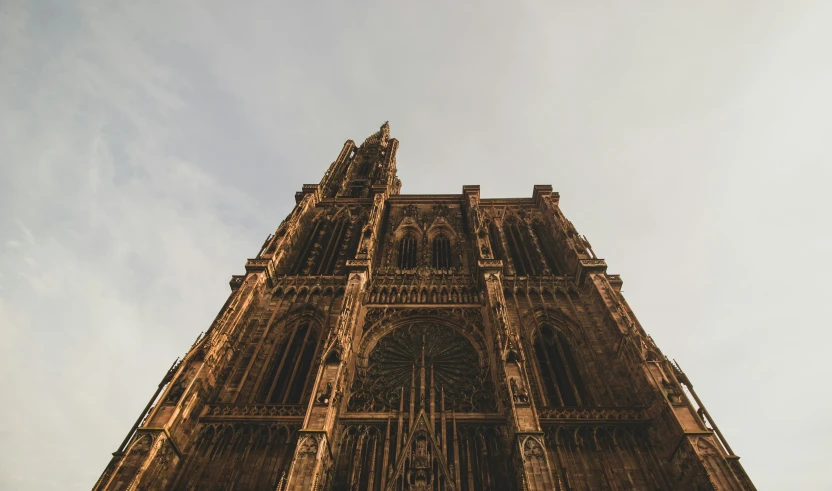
(408, 249)
(562, 384)
(286, 377)
(544, 238)
(441, 252)
(320, 253)
(496, 243)
(520, 249)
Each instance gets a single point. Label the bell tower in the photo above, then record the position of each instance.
(357, 171)
(380, 341)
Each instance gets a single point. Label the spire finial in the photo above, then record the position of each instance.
(381, 136)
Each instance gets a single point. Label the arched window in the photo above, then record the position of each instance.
(408, 248)
(286, 377)
(522, 266)
(559, 374)
(544, 238)
(496, 243)
(524, 256)
(303, 258)
(319, 254)
(441, 252)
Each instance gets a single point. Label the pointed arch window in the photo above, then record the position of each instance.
(524, 255)
(408, 252)
(286, 378)
(320, 252)
(496, 243)
(559, 375)
(544, 238)
(441, 252)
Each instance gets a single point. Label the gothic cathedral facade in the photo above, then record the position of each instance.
(381, 341)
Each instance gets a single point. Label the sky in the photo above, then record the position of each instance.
(148, 148)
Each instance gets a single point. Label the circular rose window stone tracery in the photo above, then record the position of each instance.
(398, 359)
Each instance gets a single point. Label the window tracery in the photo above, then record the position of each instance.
(442, 252)
(408, 251)
(604, 457)
(252, 456)
(328, 245)
(416, 362)
(286, 378)
(496, 242)
(524, 257)
(359, 464)
(559, 375)
(544, 238)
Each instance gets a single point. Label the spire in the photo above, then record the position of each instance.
(359, 169)
(382, 136)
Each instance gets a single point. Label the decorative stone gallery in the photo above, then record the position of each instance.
(381, 341)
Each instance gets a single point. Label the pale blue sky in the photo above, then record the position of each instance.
(148, 148)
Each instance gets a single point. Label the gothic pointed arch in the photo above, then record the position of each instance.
(407, 241)
(521, 248)
(332, 241)
(547, 246)
(408, 251)
(494, 237)
(286, 379)
(441, 254)
(559, 374)
(426, 354)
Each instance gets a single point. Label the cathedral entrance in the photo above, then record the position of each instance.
(425, 415)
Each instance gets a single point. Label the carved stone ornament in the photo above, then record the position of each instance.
(520, 395)
(324, 395)
(532, 449)
(398, 357)
(308, 445)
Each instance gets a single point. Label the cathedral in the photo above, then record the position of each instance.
(381, 341)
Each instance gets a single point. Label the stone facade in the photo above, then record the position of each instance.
(423, 342)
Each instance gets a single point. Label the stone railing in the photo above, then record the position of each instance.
(599, 414)
(221, 411)
(423, 289)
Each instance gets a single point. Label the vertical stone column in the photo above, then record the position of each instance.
(530, 454)
(368, 243)
(478, 229)
(289, 232)
(313, 456)
(334, 176)
(529, 451)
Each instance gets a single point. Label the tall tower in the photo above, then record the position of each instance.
(382, 341)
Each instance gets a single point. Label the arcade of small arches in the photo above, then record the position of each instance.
(432, 295)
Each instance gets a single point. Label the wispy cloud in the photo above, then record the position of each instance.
(147, 149)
